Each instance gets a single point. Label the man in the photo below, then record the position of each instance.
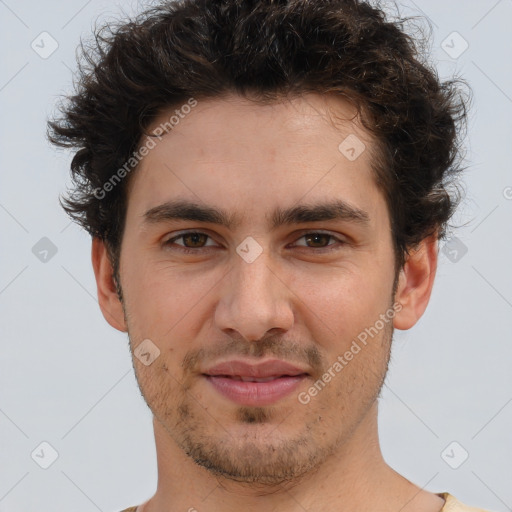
(265, 184)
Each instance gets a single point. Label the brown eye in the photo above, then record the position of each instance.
(318, 238)
(319, 241)
(196, 239)
(193, 241)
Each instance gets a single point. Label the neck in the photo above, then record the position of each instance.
(355, 477)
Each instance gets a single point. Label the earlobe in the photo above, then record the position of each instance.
(108, 299)
(415, 283)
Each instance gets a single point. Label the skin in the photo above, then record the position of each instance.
(293, 302)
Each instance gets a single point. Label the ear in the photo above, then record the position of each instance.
(415, 283)
(109, 302)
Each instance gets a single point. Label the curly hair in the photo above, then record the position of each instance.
(264, 50)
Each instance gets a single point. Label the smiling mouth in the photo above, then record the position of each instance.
(244, 378)
(255, 391)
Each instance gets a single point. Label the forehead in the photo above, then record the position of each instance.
(307, 114)
(231, 151)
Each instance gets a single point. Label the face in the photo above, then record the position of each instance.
(276, 293)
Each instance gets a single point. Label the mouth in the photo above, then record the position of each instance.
(244, 378)
(255, 384)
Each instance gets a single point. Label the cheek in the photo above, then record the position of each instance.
(168, 301)
(162, 297)
(160, 386)
(342, 303)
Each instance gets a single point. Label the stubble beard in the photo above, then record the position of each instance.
(249, 459)
(262, 456)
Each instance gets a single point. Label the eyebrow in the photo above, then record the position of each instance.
(182, 209)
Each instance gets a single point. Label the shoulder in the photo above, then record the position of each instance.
(454, 505)
(131, 509)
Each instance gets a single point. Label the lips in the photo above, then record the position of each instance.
(251, 379)
(264, 370)
(255, 384)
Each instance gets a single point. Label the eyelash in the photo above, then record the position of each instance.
(188, 250)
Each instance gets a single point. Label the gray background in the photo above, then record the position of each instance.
(66, 376)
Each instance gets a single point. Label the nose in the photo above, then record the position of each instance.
(255, 299)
